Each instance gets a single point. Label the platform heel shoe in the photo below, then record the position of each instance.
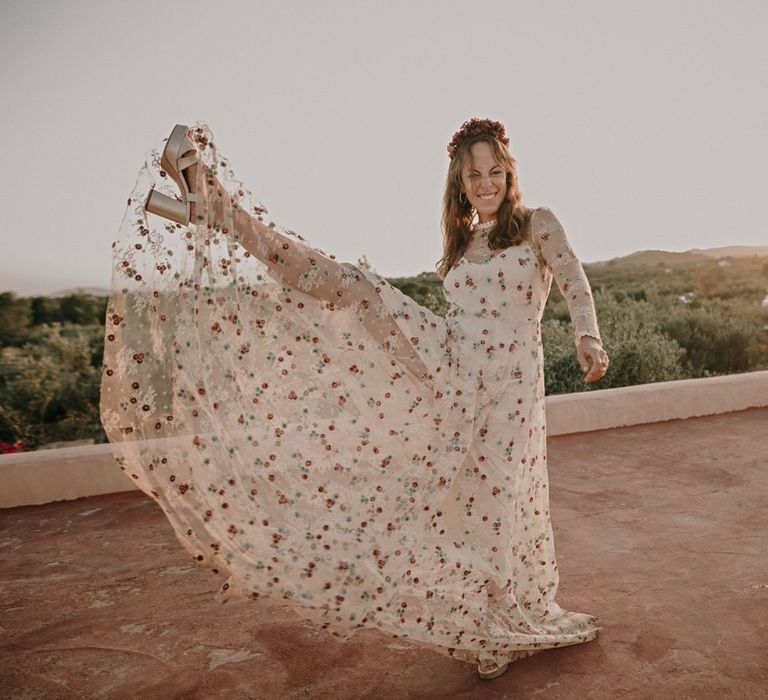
(487, 670)
(178, 155)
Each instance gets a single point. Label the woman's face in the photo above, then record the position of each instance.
(484, 181)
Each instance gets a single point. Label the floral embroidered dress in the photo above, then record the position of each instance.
(315, 436)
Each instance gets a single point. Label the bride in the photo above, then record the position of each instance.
(326, 441)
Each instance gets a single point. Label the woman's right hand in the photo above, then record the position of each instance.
(592, 358)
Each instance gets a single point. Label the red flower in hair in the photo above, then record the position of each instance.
(476, 126)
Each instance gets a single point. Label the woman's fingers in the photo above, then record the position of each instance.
(596, 361)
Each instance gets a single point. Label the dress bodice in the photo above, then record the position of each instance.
(477, 250)
(511, 286)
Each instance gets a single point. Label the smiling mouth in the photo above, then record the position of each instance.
(487, 196)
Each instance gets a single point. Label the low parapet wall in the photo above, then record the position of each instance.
(43, 476)
(650, 403)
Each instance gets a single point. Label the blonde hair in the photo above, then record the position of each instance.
(513, 215)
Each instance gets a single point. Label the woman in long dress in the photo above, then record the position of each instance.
(325, 441)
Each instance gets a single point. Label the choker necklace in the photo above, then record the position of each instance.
(486, 226)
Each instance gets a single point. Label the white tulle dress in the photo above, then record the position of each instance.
(334, 445)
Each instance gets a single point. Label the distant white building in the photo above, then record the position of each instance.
(724, 263)
(688, 297)
(765, 302)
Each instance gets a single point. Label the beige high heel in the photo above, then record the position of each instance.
(176, 158)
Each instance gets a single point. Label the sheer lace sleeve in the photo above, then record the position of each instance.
(556, 251)
(297, 265)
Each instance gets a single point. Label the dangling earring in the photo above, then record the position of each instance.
(465, 198)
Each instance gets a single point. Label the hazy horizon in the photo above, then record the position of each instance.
(747, 251)
(641, 125)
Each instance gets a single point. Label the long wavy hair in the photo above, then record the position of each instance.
(512, 216)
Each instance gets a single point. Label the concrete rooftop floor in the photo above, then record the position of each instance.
(660, 530)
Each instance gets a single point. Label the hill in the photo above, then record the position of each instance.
(93, 291)
(733, 251)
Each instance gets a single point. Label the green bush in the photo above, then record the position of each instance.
(428, 293)
(21, 315)
(719, 336)
(51, 349)
(15, 317)
(639, 351)
(49, 386)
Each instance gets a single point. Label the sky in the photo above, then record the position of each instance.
(642, 124)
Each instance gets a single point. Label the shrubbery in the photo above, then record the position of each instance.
(639, 350)
(51, 349)
(720, 337)
(49, 385)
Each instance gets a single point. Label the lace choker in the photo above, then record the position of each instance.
(486, 226)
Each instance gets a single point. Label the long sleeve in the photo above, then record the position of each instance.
(567, 271)
(296, 264)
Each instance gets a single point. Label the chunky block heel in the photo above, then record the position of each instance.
(176, 158)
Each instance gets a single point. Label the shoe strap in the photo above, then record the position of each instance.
(185, 161)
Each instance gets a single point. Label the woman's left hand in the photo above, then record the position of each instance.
(592, 357)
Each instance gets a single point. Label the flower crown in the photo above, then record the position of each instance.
(473, 127)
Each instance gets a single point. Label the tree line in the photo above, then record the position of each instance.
(660, 320)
